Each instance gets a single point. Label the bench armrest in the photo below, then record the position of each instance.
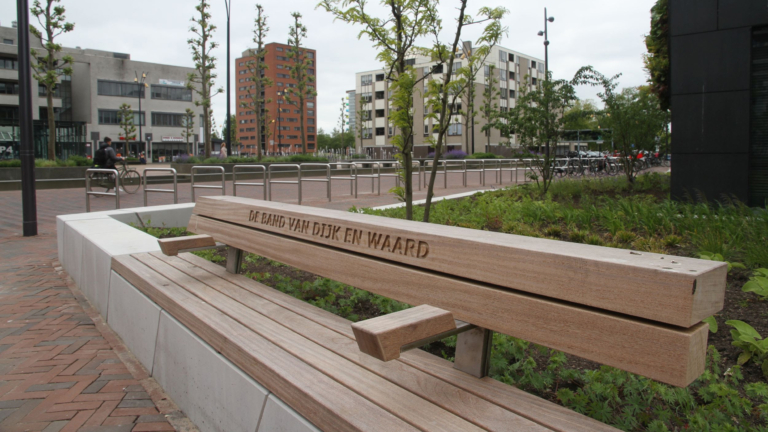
(172, 246)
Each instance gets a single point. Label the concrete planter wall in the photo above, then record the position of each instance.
(66, 177)
(214, 393)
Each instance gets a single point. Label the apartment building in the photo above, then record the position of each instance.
(351, 110)
(511, 70)
(86, 104)
(284, 118)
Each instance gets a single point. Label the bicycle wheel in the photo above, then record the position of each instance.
(130, 181)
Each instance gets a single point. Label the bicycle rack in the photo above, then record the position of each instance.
(527, 166)
(235, 183)
(223, 186)
(512, 168)
(326, 180)
(463, 171)
(89, 192)
(371, 176)
(480, 170)
(270, 181)
(352, 176)
(174, 191)
(496, 168)
(429, 164)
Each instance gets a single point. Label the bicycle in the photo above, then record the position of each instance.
(130, 179)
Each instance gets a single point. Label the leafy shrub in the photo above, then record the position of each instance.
(625, 237)
(10, 163)
(359, 156)
(577, 236)
(758, 284)
(455, 154)
(753, 346)
(594, 239)
(483, 156)
(672, 240)
(81, 161)
(709, 256)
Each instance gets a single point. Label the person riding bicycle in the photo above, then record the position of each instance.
(105, 157)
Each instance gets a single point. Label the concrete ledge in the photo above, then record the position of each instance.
(215, 394)
(135, 318)
(279, 417)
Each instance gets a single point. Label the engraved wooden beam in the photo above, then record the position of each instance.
(172, 246)
(385, 337)
(673, 290)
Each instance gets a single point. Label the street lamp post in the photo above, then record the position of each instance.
(228, 138)
(141, 85)
(547, 19)
(467, 49)
(26, 138)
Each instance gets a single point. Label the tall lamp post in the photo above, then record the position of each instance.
(140, 86)
(547, 19)
(466, 48)
(228, 138)
(26, 148)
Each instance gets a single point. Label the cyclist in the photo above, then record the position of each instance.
(105, 157)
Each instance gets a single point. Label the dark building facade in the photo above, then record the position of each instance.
(719, 62)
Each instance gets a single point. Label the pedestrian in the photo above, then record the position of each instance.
(223, 151)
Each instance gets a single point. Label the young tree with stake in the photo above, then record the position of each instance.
(256, 70)
(489, 110)
(126, 118)
(202, 80)
(188, 122)
(297, 96)
(48, 69)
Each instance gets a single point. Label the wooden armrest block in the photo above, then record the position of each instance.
(383, 337)
(172, 246)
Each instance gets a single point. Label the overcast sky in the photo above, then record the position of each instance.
(607, 34)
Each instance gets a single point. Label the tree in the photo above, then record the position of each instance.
(395, 37)
(297, 96)
(256, 69)
(489, 110)
(204, 77)
(232, 131)
(49, 68)
(188, 122)
(469, 113)
(444, 95)
(538, 118)
(359, 119)
(126, 118)
(657, 60)
(582, 115)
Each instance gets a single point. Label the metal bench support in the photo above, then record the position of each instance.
(473, 352)
(234, 259)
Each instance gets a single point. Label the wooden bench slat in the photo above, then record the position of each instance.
(647, 285)
(413, 409)
(292, 380)
(668, 354)
(511, 398)
(172, 246)
(465, 405)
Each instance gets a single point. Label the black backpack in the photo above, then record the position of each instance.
(100, 158)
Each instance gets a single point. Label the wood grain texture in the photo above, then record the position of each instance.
(646, 285)
(392, 398)
(321, 326)
(172, 246)
(672, 355)
(472, 408)
(382, 337)
(292, 380)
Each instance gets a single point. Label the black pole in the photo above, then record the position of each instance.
(228, 138)
(26, 141)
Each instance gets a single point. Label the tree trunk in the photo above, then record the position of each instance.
(301, 119)
(432, 177)
(51, 126)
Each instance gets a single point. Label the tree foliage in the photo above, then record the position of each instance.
(583, 115)
(305, 89)
(125, 116)
(202, 81)
(489, 110)
(256, 70)
(657, 59)
(188, 122)
(49, 68)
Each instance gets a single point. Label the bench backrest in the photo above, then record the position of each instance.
(637, 311)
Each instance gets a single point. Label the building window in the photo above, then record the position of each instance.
(311, 71)
(8, 41)
(311, 121)
(502, 56)
(454, 129)
(118, 88)
(291, 120)
(379, 77)
(310, 129)
(311, 113)
(366, 97)
(9, 112)
(391, 130)
(426, 130)
(379, 113)
(511, 57)
(379, 95)
(282, 58)
(511, 94)
(379, 131)
(503, 93)
(310, 55)
(533, 81)
(511, 75)
(9, 63)
(366, 79)
(310, 104)
(533, 64)
(111, 117)
(456, 66)
(167, 119)
(367, 133)
(283, 76)
(487, 70)
(366, 114)
(9, 88)
(279, 49)
(171, 93)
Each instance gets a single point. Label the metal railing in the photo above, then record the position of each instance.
(513, 169)
(372, 176)
(495, 167)
(174, 191)
(462, 170)
(263, 183)
(352, 178)
(326, 180)
(400, 166)
(296, 182)
(88, 192)
(478, 166)
(195, 169)
(428, 171)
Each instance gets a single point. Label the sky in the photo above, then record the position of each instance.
(606, 34)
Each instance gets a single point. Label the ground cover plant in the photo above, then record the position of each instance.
(732, 395)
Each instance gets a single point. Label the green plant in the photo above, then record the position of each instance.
(10, 163)
(482, 156)
(577, 236)
(672, 240)
(717, 257)
(712, 323)
(753, 346)
(758, 284)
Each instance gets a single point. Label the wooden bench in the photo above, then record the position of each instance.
(640, 312)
